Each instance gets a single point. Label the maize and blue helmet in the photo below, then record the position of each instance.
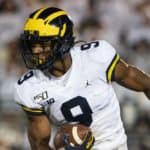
(47, 25)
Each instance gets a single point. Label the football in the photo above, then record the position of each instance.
(75, 133)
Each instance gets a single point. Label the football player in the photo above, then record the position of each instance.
(70, 83)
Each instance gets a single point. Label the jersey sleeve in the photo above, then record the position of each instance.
(23, 97)
(107, 58)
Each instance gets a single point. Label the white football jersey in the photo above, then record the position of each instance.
(84, 94)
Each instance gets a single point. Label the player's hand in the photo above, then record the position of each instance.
(86, 145)
(89, 141)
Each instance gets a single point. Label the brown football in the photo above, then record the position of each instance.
(75, 133)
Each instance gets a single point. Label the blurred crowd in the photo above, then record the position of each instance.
(123, 23)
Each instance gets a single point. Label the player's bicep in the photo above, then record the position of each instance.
(120, 71)
(131, 77)
(39, 130)
(26, 103)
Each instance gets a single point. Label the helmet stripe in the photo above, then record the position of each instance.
(38, 12)
(48, 12)
(63, 30)
(55, 15)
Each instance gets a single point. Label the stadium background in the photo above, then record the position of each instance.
(123, 23)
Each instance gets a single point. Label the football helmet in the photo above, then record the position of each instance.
(46, 26)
